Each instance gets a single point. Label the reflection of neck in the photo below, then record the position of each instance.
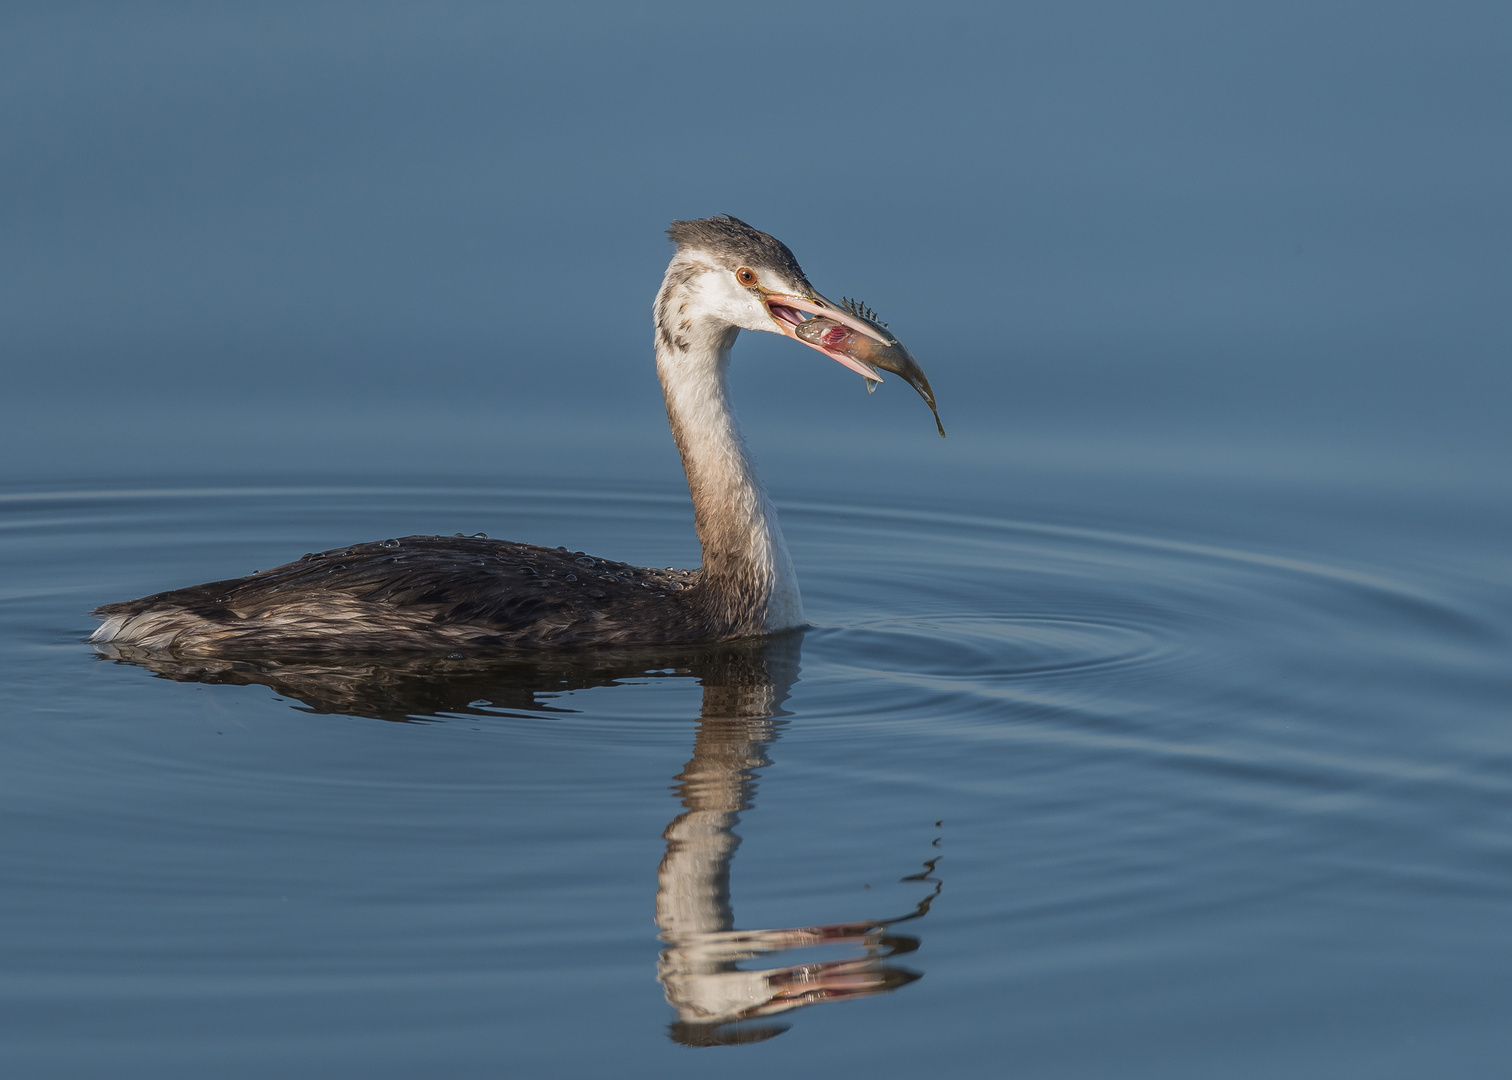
(719, 1001)
(693, 881)
(751, 588)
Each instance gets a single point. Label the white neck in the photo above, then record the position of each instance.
(745, 559)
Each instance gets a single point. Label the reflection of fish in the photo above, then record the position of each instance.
(835, 337)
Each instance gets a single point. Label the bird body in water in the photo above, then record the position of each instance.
(472, 592)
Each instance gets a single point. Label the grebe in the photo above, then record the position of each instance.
(465, 593)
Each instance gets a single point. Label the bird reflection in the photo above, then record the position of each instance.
(718, 1001)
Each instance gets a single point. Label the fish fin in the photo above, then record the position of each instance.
(861, 311)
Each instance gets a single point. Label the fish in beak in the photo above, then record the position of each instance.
(851, 334)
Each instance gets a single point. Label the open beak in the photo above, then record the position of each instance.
(842, 335)
(788, 312)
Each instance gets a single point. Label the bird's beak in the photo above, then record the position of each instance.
(858, 343)
(787, 312)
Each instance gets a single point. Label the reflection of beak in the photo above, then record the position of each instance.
(788, 311)
(831, 980)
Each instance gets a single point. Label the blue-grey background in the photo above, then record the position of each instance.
(1262, 242)
(1193, 635)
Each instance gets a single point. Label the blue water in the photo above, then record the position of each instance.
(1155, 723)
(1157, 806)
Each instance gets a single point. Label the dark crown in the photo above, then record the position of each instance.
(735, 243)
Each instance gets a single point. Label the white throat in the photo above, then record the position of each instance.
(744, 554)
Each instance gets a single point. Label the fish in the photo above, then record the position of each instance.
(835, 337)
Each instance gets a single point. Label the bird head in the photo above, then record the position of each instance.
(745, 278)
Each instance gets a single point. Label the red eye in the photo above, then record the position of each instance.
(746, 276)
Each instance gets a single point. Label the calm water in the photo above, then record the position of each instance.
(1042, 796)
(1158, 723)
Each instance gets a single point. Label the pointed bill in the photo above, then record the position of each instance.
(788, 311)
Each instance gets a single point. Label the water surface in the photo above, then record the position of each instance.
(1153, 724)
(1032, 796)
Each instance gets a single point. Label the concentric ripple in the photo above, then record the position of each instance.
(1077, 778)
(892, 593)
(1006, 647)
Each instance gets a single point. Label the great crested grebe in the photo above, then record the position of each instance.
(460, 592)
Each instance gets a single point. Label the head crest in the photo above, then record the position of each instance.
(735, 243)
